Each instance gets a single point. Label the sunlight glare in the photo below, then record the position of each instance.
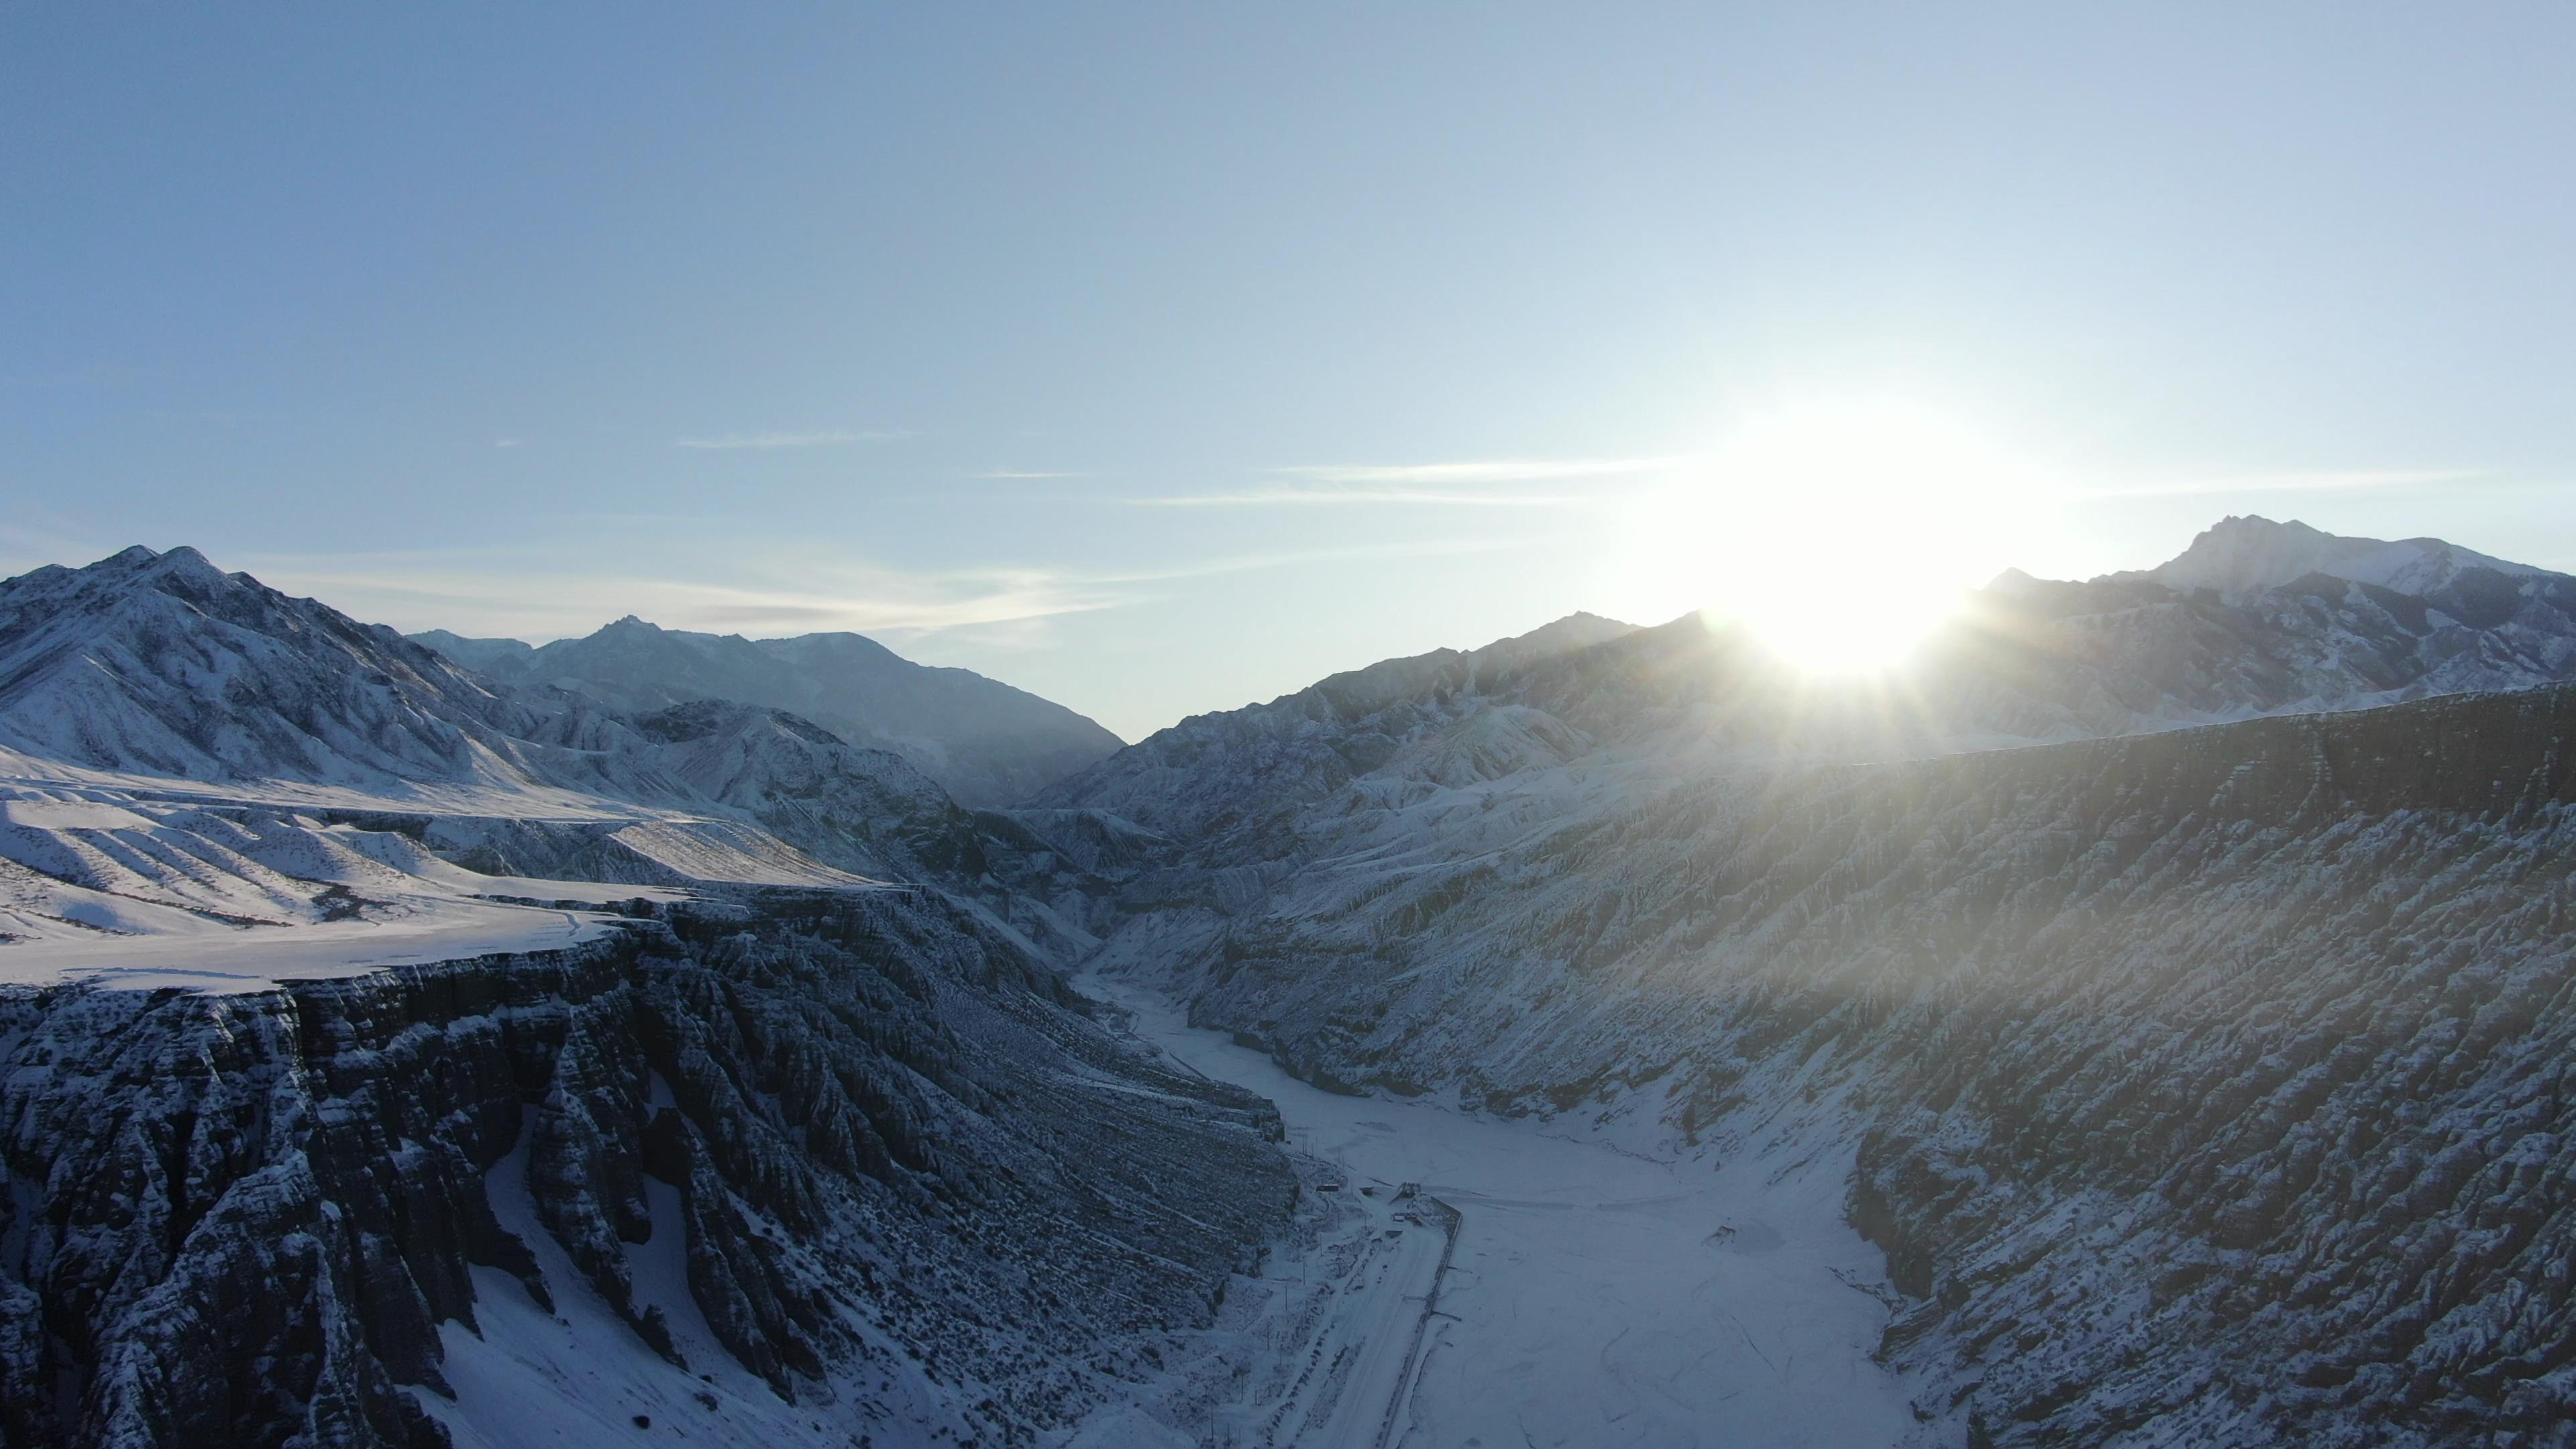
(1840, 535)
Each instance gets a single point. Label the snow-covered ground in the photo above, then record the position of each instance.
(533, 1379)
(122, 887)
(255, 959)
(142, 894)
(1598, 1296)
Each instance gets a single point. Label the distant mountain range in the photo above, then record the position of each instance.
(2027, 661)
(159, 676)
(2179, 966)
(985, 742)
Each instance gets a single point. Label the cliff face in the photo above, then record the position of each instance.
(2206, 1087)
(907, 1174)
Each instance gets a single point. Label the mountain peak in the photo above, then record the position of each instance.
(163, 664)
(2245, 553)
(137, 562)
(1578, 630)
(187, 564)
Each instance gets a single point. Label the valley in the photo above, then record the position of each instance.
(1490, 726)
(2141, 1020)
(1601, 1292)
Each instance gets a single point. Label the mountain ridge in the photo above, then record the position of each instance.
(2028, 661)
(2246, 552)
(990, 744)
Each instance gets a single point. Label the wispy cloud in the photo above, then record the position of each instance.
(517, 592)
(2319, 481)
(491, 596)
(505, 442)
(1470, 483)
(1015, 473)
(824, 438)
(1482, 470)
(1343, 497)
(1347, 553)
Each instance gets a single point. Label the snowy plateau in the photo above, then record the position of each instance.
(2146, 1016)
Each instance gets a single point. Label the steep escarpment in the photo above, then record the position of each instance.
(913, 1187)
(2205, 1087)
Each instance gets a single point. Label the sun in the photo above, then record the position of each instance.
(1839, 534)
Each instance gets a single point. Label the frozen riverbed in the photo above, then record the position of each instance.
(1601, 1297)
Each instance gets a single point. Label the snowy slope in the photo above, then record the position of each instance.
(2201, 1086)
(115, 666)
(2241, 555)
(2196, 1080)
(2170, 1081)
(158, 680)
(983, 741)
(388, 1059)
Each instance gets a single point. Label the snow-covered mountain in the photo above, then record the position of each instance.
(151, 677)
(2200, 1086)
(2193, 1075)
(2175, 965)
(2026, 661)
(985, 742)
(388, 1057)
(164, 664)
(2241, 555)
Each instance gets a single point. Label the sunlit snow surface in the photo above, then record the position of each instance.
(1604, 1292)
(254, 960)
(143, 882)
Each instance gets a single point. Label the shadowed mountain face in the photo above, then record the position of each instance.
(2204, 1087)
(853, 1161)
(2200, 1082)
(987, 743)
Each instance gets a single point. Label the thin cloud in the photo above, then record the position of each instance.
(1015, 473)
(827, 438)
(483, 602)
(1340, 497)
(1485, 470)
(508, 593)
(1474, 483)
(1245, 563)
(505, 442)
(2322, 481)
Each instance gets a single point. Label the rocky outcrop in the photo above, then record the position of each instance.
(895, 1141)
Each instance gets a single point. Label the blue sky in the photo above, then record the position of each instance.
(1163, 358)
